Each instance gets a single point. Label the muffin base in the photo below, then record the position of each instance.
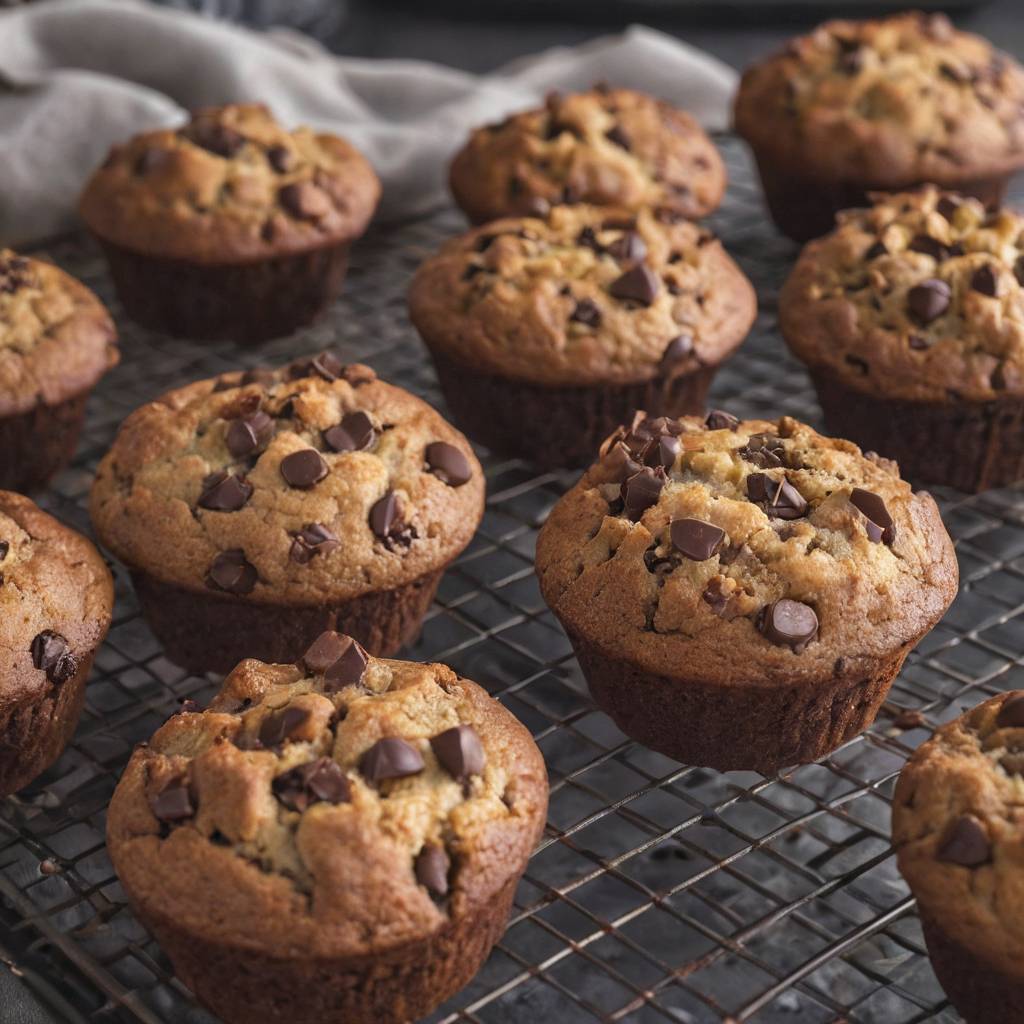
(972, 446)
(34, 732)
(245, 302)
(982, 994)
(212, 632)
(36, 445)
(241, 985)
(744, 727)
(554, 426)
(803, 208)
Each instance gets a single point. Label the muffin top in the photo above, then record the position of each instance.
(585, 295)
(725, 544)
(56, 597)
(340, 806)
(313, 483)
(887, 102)
(919, 297)
(56, 338)
(958, 829)
(609, 147)
(230, 185)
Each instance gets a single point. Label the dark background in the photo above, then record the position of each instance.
(494, 32)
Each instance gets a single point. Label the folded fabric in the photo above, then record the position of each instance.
(79, 75)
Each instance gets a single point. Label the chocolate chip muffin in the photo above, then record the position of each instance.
(863, 105)
(230, 226)
(548, 332)
(56, 597)
(740, 595)
(608, 147)
(958, 829)
(909, 317)
(361, 826)
(56, 342)
(257, 509)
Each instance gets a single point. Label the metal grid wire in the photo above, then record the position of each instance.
(660, 893)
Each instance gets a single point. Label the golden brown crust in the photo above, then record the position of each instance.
(56, 338)
(623, 584)
(336, 879)
(231, 186)
(609, 147)
(51, 580)
(970, 768)
(148, 503)
(857, 301)
(886, 103)
(543, 300)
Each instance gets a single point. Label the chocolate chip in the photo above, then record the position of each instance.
(280, 725)
(852, 63)
(390, 758)
(618, 137)
(642, 490)
(355, 433)
(447, 463)
(918, 342)
(696, 539)
(986, 281)
(250, 434)
(324, 651)
(304, 200)
(879, 524)
(217, 138)
(930, 247)
(629, 247)
(326, 365)
(14, 274)
(314, 539)
(715, 595)
(965, 842)
(778, 498)
(678, 350)
(173, 802)
(303, 469)
(431, 868)
(50, 654)
(586, 312)
(719, 419)
(948, 205)
(319, 780)
(765, 451)
(386, 520)
(281, 158)
(638, 284)
(348, 669)
(789, 623)
(1011, 713)
(223, 492)
(587, 239)
(662, 452)
(152, 158)
(929, 300)
(231, 571)
(459, 751)
(875, 250)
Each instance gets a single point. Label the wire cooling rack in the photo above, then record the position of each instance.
(660, 893)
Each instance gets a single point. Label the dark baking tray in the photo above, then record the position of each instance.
(660, 893)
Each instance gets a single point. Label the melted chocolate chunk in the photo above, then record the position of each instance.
(459, 751)
(718, 419)
(250, 434)
(677, 353)
(1011, 713)
(879, 524)
(304, 200)
(324, 651)
(230, 571)
(985, 280)
(789, 624)
(348, 669)
(776, 497)
(279, 726)
(303, 469)
(447, 463)
(929, 300)
(173, 803)
(223, 492)
(390, 758)
(355, 433)
(387, 523)
(586, 312)
(765, 451)
(965, 843)
(314, 539)
(50, 654)
(322, 780)
(638, 284)
(431, 868)
(696, 539)
(642, 490)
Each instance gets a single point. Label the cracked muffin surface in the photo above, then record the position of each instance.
(887, 102)
(919, 297)
(584, 295)
(748, 552)
(609, 147)
(231, 185)
(56, 337)
(316, 482)
(958, 829)
(339, 807)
